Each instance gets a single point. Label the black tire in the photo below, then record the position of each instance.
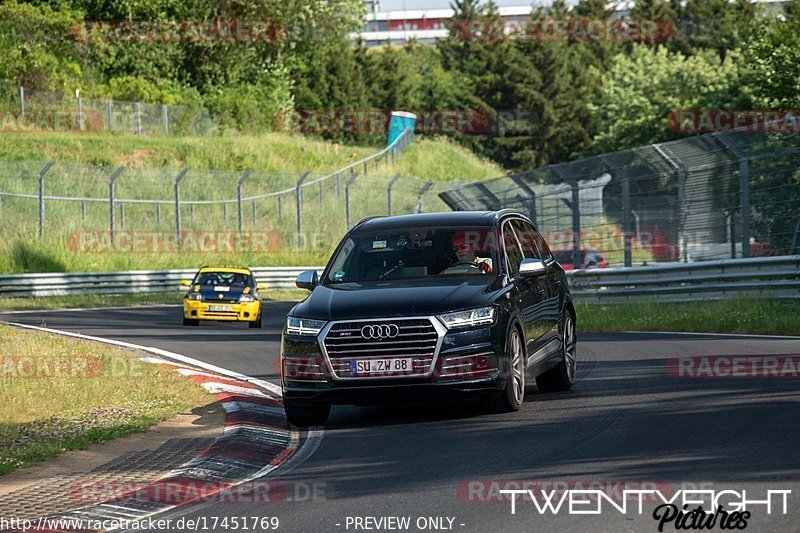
(191, 322)
(256, 323)
(511, 398)
(562, 376)
(306, 415)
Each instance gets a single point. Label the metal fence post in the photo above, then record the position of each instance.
(744, 197)
(80, 110)
(239, 184)
(299, 193)
(680, 169)
(389, 194)
(111, 180)
(138, 118)
(574, 205)
(626, 219)
(338, 188)
(531, 195)
(576, 225)
(347, 185)
(280, 208)
(191, 213)
(744, 188)
(253, 211)
(108, 114)
(225, 214)
(420, 194)
(319, 186)
(627, 231)
(158, 216)
(178, 203)
(794, 237)
(165, 119)
(21, 101)
(83, 211)
(41, 196)
(122, 215)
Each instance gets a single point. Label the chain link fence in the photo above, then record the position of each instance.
(106, 209)
(25, 110)
(714, 196)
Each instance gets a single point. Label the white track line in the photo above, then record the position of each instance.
(303, 452)
(271, 387)
(70, 309)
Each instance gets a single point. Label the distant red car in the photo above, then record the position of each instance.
(591, 259)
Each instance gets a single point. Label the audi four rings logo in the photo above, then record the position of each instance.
(380, 331)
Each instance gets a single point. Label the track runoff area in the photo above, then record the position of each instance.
(657, 426)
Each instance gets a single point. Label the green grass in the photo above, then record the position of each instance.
(62, 394)
(269, 152)
(755, 316)
(443, 160)
(435, 159)
(123, 300)
(89, 301)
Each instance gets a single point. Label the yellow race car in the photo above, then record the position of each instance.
(223, 293)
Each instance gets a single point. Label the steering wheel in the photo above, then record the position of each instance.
(461, 266)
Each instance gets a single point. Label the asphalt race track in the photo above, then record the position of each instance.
(629, 419)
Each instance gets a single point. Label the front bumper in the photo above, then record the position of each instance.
(238, 312)
(467, 362)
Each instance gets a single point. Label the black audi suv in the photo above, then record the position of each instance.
(426, 306)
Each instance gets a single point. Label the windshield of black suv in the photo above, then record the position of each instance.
(415, 253)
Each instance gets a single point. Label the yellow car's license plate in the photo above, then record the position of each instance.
(220, 308)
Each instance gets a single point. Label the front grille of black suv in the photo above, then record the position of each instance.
(416, 338)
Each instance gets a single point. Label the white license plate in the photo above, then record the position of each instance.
(381, 366)
(220, 308)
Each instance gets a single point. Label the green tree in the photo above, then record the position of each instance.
(643, 90)
(714, 24)
(661, 12)
(770, 63)
(36, 50)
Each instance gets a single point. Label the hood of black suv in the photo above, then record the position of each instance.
(396, 298)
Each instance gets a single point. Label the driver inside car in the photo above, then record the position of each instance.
(465, 251)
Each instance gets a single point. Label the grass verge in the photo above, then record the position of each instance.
(61, 394)
(81, 301)
(737, 315)
(435, 158)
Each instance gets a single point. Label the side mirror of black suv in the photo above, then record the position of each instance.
(532, 267)
(307, 280)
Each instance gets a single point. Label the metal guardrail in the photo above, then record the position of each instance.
(61, 284)
(763, 277)
(773, 277)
